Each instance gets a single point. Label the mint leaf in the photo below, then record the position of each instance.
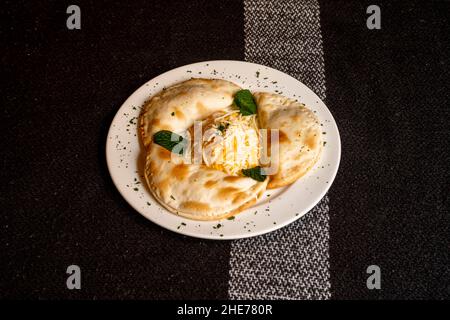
(169, 140)
(244, 100)
(255, 173)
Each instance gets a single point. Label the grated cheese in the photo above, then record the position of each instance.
(236, 147)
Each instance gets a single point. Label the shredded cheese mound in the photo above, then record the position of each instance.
(231, 143)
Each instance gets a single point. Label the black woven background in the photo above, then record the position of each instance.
(388, 90)
(62, 90)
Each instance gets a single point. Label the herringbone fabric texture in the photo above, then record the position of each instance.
(293, 262)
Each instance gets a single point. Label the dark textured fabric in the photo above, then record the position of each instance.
(389, 91)
(60, 91)
(293, 262)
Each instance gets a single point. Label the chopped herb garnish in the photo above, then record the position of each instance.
(217, 226)
(230, 218)
(223, 127)
(170, 141)
(148, 203)
(257, 74)
(135, 189)
(183, 224)
(171, 197)
(245, 101)
(172, 114)
(255, 173)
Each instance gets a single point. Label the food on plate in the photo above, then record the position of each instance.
(192, 190)
(204, 146)
(300, 136)
(176, 108)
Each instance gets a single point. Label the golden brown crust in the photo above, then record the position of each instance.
(300, 136)
(225, 193)
(211, 183)
(195, 206)
(292, 176)
(231, 178)
(180, 171)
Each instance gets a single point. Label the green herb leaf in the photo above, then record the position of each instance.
(244, 100)
(170, 140)
(255, 173)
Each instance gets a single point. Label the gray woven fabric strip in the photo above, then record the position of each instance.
(291, 263)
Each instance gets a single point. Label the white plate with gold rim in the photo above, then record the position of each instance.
(276, 209)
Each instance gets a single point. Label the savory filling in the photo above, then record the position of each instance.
(231, 142)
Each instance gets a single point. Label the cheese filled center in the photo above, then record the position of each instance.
(231, 142)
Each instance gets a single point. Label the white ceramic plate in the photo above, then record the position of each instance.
(276, 209)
